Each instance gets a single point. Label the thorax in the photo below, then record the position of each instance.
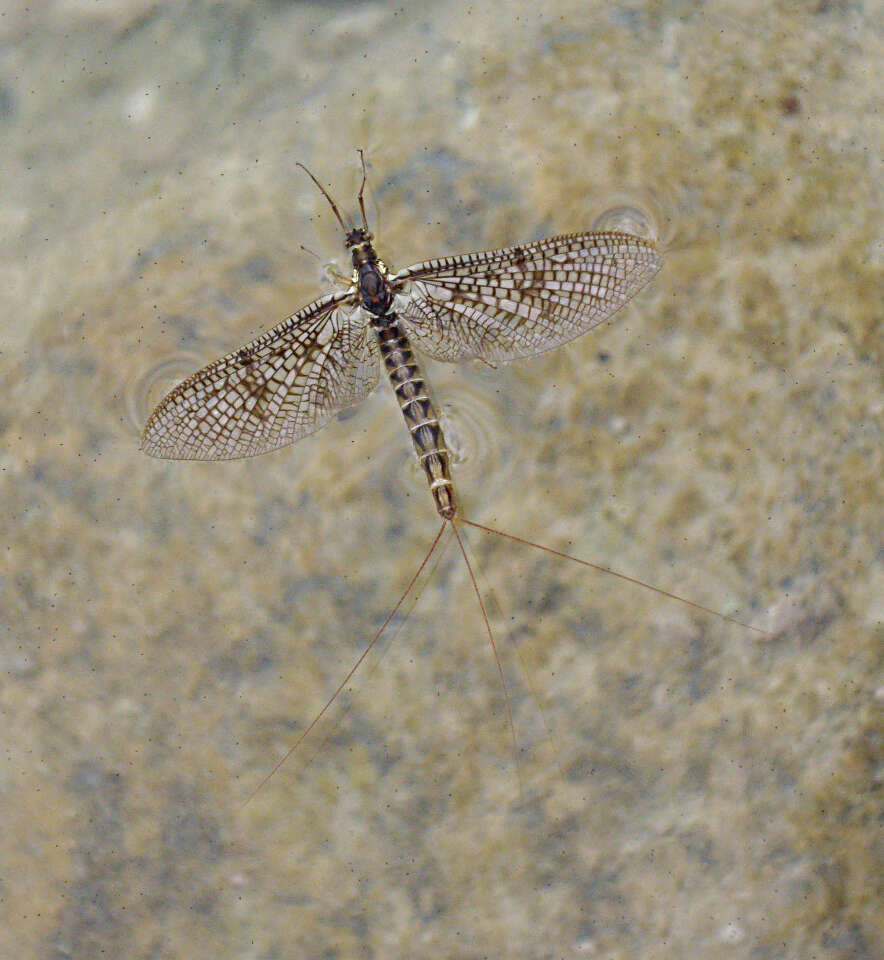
(370, 276)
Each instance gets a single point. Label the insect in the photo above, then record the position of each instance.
(494, 306)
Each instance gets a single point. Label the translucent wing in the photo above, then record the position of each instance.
(281, 386)
(521, 301)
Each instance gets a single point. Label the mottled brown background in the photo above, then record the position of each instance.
(168, 629)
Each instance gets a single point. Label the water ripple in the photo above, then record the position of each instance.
(145, 392)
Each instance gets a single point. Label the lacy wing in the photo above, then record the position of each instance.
(283, 385)
(521, 301)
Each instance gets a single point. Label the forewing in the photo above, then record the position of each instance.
(521, 301)
(284, 385)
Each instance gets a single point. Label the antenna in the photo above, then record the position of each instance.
(361, 153)
(325, 193)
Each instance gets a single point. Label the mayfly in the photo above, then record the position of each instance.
(494, 306)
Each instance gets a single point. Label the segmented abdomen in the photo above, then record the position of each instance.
(418, 410)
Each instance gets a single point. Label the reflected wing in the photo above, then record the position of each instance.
(521, 301)
(282, 386)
